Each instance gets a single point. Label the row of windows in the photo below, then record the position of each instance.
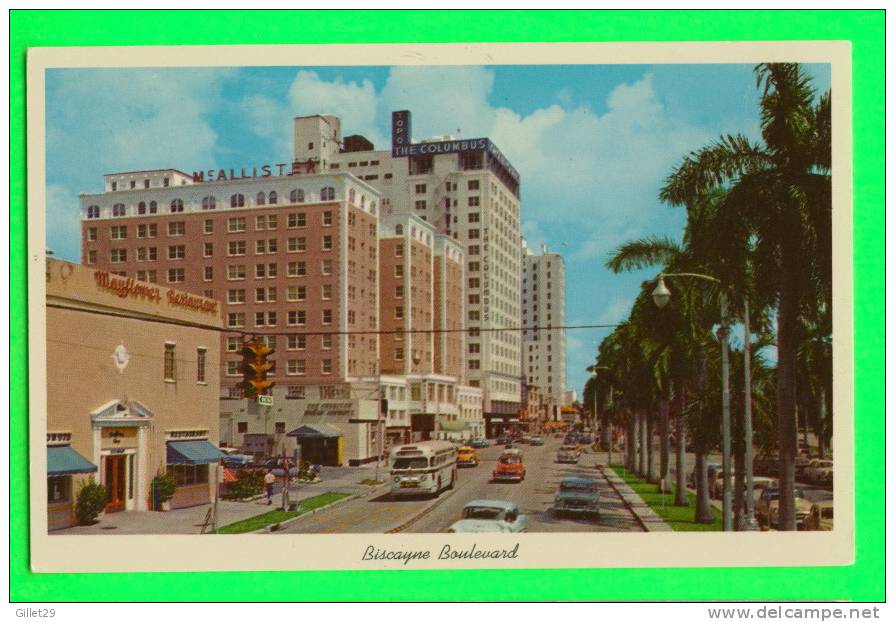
(294, 367)
(176, 206)
(297, 317)
(294, 293)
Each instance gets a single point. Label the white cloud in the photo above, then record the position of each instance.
(617, 310)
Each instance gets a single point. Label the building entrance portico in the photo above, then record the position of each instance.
(120, 433)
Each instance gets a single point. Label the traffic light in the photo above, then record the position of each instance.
(255, 367)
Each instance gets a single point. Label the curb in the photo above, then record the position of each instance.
(643, 513)
(425, 512)
(288, 521)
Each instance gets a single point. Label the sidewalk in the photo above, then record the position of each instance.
(189, 520)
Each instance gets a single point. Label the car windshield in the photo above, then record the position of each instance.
(411, 463)
(510, 460)
(483, 513)
(576, 486)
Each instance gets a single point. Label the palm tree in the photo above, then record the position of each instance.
(779, 195)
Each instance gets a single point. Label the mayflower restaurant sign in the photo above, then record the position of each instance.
(128, 287)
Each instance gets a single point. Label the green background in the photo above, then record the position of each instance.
(865, 29)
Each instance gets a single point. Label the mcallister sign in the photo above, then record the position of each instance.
(265, 170)
(402, 146)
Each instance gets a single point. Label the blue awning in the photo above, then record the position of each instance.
(316, 430)
(66, 461)
(193, 452)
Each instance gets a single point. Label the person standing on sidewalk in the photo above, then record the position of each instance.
(269, 480)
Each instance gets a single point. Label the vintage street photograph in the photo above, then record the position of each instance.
(440, 299)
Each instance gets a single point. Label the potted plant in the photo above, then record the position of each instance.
(163, 488)
(91, 502)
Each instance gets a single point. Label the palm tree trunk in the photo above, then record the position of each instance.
(703, 506)
(820, 430)
(641, 433)
(739, 487)
(787, 347)
(664, 447)
(605, 432)
(630, 443)
(680, 491)
(652, 475)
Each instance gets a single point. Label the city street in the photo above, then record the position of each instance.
(380, 513)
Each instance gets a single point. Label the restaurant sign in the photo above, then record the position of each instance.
(129, 287)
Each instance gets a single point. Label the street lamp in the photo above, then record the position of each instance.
(596, 417)
(661, 296)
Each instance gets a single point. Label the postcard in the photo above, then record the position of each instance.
(302, 307)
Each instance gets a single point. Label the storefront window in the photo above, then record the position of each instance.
(188, 474)
(59, 489)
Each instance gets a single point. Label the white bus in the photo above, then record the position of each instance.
(423, 468)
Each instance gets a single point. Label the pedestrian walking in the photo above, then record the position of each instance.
(269, 480)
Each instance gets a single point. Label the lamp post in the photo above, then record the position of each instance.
(661, 296)
(603, 432)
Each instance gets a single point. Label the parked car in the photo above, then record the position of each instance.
(711, 469)
(235, 461)
(478, 443)
(802, 462)
(509, 467)
(759, 483)
(767, 509)
(466, 456)
(277, 466)
(813, 473)
(568, 454)
(504, 439)
(768, 464)
(490, 516)
(578, 495)
(820, 517)
(585, 439)
(536, 440)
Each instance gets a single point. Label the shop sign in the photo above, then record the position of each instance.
(129, 287)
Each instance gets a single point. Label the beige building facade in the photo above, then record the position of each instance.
(133, 379)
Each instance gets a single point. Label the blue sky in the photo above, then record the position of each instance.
(593, 143)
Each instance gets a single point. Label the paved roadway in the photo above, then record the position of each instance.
(380, 513)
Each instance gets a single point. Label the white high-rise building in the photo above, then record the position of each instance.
(470, 192)
(543, 307)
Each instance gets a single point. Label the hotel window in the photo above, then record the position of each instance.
(118, 209)
(279, 427)
(296, 268)
(271, 270)
(326, 291)
(327, 193)
(209, 226)
(474, 217)
(236, 225)
(272, 198)
(91, 257)
(327, 218)
(141, 207)
(295, 367)
(176, 275)
(296, 318)
(472, 184)
(233, 369)
(153, 207)
(149, 276)
(297, 220)
(114, 186)
(237, 200)
(170, 363)
(474, 316)
(420, 188)
(473, 201)
(236, 296)
(473, 266)
(271, 221)
(209, 203)
(118, 233)
(208, 250)
(474, 348)
(296, 245)
(474, 364)
(260, 199)
(326, 243)
(118, 255)
(166, 182)
(326, 342)
(200, 365)
(420, 205)
(399, 250)
(399, 313)
(474, 282)
(399, 270)
(473, 249)
(177, 252)
(265, 319)
(327, 316)
(91, 234)
(326, 267)
(326, 366)
(236, 320)
(399, 354)
(176, 206)
(474, 299)
(236, 247)
(297, 196)
(296, 293)
(93, 211)
(399, 291)
(235, 273)
(233, 344)
(295, 392)
(208, 275)
(474, 234)
(296, 342)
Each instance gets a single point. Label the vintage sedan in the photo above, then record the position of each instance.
(568, 454)
(490, 516)
(478, 443)
(767, 510)
(536, 440)
(814, 471)
(509, 467)
(820, 517)
(578, 495)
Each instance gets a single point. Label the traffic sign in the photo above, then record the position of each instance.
(265, 400)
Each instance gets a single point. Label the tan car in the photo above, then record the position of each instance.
(803, 507)
(820, 517)
(814, 471)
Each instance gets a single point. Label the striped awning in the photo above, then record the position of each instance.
(66, 461)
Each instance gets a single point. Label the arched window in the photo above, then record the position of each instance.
(272, 198)
(363, 200)
(176, 206)
(141, 207)
(351, 195)
(209, 203)
(399, 229)
(328, 193)
(237, 200)
(373, 207)
(93, 211)
(118, 209)
(153, 207)
(297, 196)
(261, 199)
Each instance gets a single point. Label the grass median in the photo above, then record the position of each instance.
(278, 516)
(679, 518)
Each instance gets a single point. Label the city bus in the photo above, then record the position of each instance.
(423, 468)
